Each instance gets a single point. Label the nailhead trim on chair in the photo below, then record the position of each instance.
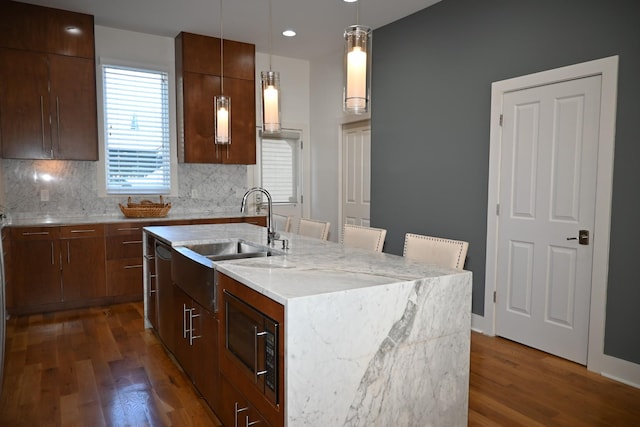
(437, 239)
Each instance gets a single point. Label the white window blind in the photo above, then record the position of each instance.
(136, 116)
(280, 168)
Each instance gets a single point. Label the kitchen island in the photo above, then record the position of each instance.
(369, 339)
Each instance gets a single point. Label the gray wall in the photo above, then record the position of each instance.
(431, 95)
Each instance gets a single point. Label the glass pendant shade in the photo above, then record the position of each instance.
(270, 101)
(357, 74)
(222, 120)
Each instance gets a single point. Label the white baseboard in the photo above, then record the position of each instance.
(608, 366)
(478, 324)
(620, 370)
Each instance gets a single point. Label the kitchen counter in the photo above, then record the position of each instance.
(107, 219)
(370, 339)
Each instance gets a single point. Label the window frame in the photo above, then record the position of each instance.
(173, 156)
(285, 135)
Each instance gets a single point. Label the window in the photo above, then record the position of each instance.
(136, 118)
(280, 166)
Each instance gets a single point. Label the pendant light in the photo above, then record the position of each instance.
(270, 92)
(222, 104)
(357, 63)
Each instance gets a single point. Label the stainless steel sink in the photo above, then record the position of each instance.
(193, 266)
(233, 249)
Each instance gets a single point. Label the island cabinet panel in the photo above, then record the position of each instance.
(196, 345)
(241, 379)
(199, 80)
(47, 84)
(235, 409)
(151, 295)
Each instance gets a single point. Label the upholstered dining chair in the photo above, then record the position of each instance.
(314, 228)
(282, 222)
(357, 236)
(435, 250)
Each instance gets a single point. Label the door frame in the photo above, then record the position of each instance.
(608, 69)
(350, 121)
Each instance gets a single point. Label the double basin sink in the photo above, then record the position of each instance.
(193, 267)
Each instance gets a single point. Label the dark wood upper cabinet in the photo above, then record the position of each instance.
(198, 75)
(47, 84)
(40, 29)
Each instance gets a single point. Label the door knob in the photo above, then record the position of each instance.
(583, 237)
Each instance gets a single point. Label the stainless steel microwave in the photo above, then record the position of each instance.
(252, 341)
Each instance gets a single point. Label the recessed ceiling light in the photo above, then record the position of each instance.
(289, 33)
(350, 1)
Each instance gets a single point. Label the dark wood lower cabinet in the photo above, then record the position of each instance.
(195, 345)
(235, 410)
(52, 268)
(55, 267)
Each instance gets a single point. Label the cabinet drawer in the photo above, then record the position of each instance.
(235, 409)
(128, 246)
(124, 277)
(80, 231)
(34, 233)
(123, 228)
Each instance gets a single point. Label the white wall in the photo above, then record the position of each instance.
(327, 118)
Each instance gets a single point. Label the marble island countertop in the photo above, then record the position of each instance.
(370, 339)
(309, 267)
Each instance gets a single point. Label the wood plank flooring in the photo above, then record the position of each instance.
(100, 367)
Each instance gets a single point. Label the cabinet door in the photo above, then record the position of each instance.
(183, 320)
(198, 93)
(152, 284)
(198, 54)
(206, 373)
(239, 60)
(243, 122)
(74, 129)
(235, 409)
(24, 105)
(41, 29)
(35, 275)
(83, 262)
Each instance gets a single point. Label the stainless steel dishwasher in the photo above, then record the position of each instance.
(164, 292)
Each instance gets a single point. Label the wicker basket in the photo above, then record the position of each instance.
(145, 209)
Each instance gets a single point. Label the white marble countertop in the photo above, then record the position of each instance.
(309, 267)
(52, 220)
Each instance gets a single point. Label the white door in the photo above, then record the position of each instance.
(356, 173)
(546, 197)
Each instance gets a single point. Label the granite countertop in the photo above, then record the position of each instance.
(309, 267)
(106, 219)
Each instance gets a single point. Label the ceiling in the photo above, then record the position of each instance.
(319, 23)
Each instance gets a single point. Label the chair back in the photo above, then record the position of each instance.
(314, 228)
(282, 222)
(434, 250)
(357, 236)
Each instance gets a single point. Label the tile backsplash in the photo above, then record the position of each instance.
(72, 190)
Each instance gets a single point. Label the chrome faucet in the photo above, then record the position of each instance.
(271, 234)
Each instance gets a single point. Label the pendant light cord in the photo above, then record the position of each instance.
(221, 53)
(270, 36)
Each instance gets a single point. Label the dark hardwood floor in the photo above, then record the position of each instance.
(100, 367)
